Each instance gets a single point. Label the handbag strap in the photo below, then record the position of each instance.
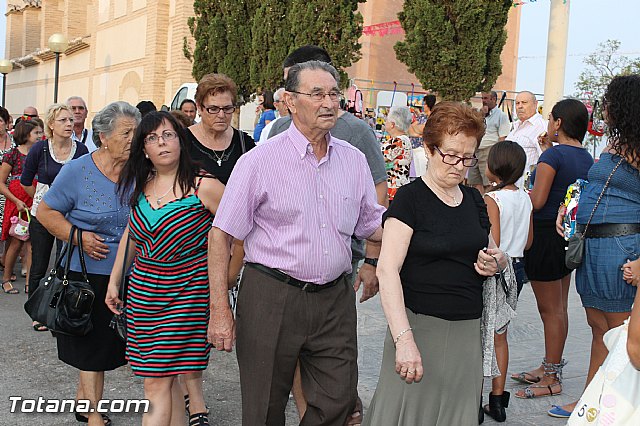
(65, 248)
(124, 271)
(604, 188)
(67, 265)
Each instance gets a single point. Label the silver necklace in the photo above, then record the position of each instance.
(159, 199)
(456, 203)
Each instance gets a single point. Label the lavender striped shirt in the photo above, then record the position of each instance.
(297, 214)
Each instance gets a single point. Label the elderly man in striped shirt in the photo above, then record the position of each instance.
(527, 129)
(295, 201)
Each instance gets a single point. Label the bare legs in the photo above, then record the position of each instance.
(90, 387)
(552, 299)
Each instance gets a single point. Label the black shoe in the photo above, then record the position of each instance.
(480, 413)
(496, 406)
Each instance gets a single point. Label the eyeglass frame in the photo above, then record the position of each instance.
(161, 136)
(443, 155)
(207, 108)
(339, 95)
(64, 120)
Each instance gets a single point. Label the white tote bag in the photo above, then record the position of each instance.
(613, 396)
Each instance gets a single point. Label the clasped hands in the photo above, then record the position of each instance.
(490, 262)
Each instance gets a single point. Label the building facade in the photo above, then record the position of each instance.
(132, 50)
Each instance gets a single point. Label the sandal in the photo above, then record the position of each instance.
(39, 326)
(186, 406)
(199, 419)
(84, 419)
(522, 378)
(550, 370)
(11, 289)
(13, 277)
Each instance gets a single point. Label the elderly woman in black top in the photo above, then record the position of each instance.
(431, 269)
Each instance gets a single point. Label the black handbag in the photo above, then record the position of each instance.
(64, 305)
(575, 246)
(119, 321)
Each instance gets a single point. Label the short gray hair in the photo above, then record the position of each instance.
(76, 98)
(277, 95)
(293, 76)
(401, 115)
(105, 120)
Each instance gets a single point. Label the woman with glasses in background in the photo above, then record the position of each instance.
(44, 161)
(432, 266)
(213, 144)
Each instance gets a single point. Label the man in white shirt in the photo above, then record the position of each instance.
(526, 130)
(281, 111)
(498, 127)
(80, 134)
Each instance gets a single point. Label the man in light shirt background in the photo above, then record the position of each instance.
(526, 130)
(281, 111)
(80, 133)
(497, 128)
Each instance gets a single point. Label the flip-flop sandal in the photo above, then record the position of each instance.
(522, 378)
(11, 289)
(530, 394)
(84, 419)
(40, 327)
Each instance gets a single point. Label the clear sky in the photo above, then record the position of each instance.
(591, 22)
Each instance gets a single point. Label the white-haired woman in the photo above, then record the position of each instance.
(84, 194)
(396, 148)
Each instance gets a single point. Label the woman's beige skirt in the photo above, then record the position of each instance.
(448, 394)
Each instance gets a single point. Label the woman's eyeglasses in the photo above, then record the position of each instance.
(166, 136)
(453, 160)
(215, 110)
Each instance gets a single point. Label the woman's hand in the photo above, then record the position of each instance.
(94, 245)
(408, 359)
(21, 206)
(544, 141)
(631, 272)
(559, 220)
(490, 262)
(112, 300)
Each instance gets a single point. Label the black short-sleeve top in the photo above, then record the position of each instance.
(438, 277)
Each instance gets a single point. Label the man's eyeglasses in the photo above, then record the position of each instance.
(166, 136)
(453, 160)
(64, 120)
(79, 108)
(334, 95)
(214, 110)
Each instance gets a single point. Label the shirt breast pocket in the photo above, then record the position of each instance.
(348, 212)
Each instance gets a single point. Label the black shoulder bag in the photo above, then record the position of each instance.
(575, 247)
(64, 305)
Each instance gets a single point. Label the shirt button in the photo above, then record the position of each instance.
(321, 196)
(326, 252)
(324, 225)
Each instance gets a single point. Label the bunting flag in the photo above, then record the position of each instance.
(523, 2)
(383, 29)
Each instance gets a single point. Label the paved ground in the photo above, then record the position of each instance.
(30, 367)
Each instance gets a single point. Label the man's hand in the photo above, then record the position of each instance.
(367, 277)
(222, 330)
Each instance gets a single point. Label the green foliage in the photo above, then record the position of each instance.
(223, 39)
(601, 66)
(271, 39)
(454, 46)
(248, 40)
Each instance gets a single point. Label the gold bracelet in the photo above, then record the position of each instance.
(395, 341)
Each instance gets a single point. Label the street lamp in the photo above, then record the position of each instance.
(58, 43)
(5, 68)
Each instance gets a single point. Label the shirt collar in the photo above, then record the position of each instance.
(302, 144)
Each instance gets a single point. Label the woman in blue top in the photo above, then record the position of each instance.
(612, 239)
(267, 116)
(84, 195)
(559, 166)
(43, 163)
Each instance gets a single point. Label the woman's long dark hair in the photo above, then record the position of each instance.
(138, 170)
(506, 161)
(622, 106)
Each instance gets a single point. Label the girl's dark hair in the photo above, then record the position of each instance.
(622, 106)
(506, 161)
(574, 116)
(138, 170)
(268, 100)
(23, 130)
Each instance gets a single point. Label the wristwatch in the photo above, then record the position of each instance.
(373, 261)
